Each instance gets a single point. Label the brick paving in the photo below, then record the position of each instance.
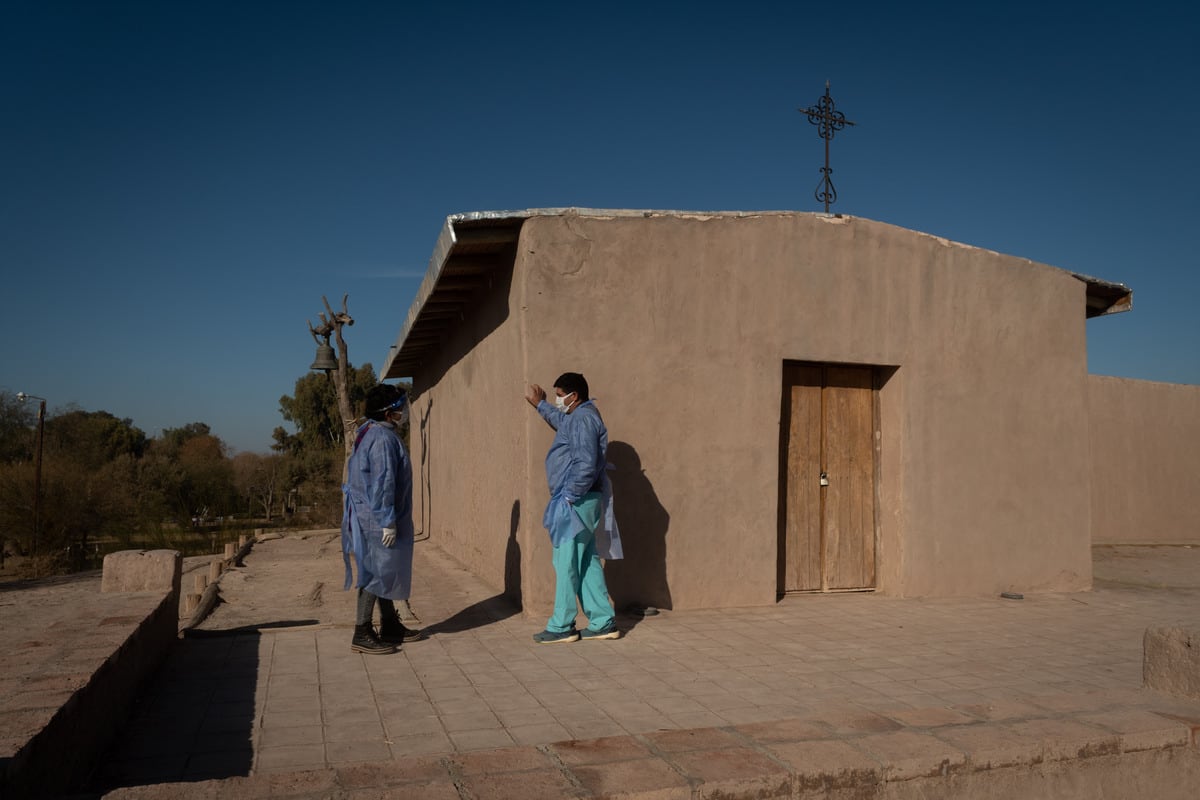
(861, 679)
(824, 685)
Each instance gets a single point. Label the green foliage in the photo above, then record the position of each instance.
(92, 438)
(102, 480)
(172, 439)
(16, 422)
(105, 485)
(315, 453)
(262, 482)
(313, 409)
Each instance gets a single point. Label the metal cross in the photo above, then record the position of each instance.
(828, 122)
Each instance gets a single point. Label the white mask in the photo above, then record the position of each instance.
(396, 419)
(561, 404)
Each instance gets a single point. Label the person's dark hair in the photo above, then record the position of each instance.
(381, 398)
(573, 382)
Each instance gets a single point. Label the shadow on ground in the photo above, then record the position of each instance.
(195, 722)
(477, 615)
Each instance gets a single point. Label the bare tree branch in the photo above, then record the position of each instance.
(331, 324)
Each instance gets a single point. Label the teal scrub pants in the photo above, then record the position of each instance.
(580, 575)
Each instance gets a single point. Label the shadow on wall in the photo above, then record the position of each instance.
(423, 480)
(639, 579)
(512, 558)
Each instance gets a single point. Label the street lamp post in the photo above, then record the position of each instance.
(37, 468)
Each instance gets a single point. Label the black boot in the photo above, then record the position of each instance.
(366, 641)
(392, 630)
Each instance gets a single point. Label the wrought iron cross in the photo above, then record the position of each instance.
(828, 122)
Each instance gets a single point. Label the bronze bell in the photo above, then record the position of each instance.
(325, 360)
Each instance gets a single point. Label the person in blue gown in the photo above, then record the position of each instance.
(579, 515)
(377, 526)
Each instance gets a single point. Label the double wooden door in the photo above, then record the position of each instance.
(827, 478)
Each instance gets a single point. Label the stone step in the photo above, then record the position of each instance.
(938, 753)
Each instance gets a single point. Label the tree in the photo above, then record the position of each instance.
(93, 438)
(332, 325)
(209, 474)
(16, 447)
(16, 428)
(189, 467)
(103, 483)
(81, 504)
(83, 494)
(172, 439)
(315, 453)
(313, 409)
(16, 505)
(260, 480)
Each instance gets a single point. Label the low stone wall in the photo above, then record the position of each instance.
(64, 749)
(1073, 762)
(1171, 660)
(200, 603)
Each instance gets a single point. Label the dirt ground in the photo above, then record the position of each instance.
(291, 579)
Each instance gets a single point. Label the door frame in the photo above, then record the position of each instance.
(879, 376)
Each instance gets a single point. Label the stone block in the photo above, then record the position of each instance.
(1171, 660)
(906, 755)
(643, 779)
(142, 571)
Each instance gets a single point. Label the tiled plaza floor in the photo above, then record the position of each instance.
(284, 695)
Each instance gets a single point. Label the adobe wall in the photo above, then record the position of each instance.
(468, 445)
(1145, 444)
(681, 325)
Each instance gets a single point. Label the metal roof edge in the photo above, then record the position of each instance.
(1105, 297)
(441, 250)
(624, 212)
(447, 239)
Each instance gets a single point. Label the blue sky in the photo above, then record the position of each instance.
(181, 182)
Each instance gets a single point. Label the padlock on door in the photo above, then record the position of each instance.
(824, 479)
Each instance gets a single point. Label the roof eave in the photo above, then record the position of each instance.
(1105, 297)
(472, 245)
(469, 248)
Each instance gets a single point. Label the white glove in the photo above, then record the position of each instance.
(389, 537)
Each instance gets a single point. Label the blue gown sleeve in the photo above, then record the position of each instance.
(550, 413)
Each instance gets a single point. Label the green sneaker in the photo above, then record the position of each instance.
(550, 637)
(608, 632)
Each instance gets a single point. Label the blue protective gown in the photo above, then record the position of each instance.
(575, 466)
(378, 495)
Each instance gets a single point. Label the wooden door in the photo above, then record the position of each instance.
(827, 478)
